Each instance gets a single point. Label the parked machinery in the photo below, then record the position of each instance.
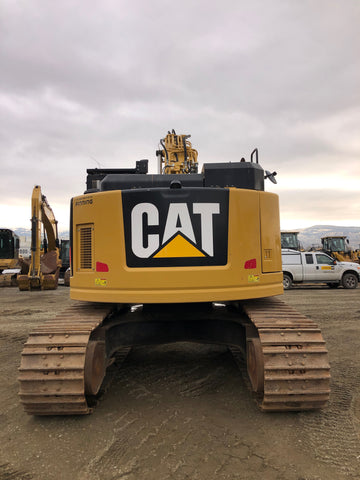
(65, 261)
(290, 240)
(338, 248)
(177, 256)
(42, 272)
(9, 257)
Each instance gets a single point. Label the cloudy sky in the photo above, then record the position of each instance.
(98, 83)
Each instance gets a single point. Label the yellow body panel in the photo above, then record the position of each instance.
(6, 263)
(253, 234)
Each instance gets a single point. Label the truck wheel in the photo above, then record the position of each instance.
(333, 285)
(287, 281)
(349, 280)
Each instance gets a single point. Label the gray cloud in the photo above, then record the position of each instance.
(319, 208)
(102, 85)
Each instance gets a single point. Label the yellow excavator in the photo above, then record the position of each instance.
(172, 257)
(9, 257)
(42, 272)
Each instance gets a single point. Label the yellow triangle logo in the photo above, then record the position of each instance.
(179, 247)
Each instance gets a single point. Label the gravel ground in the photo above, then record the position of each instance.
(183, 411)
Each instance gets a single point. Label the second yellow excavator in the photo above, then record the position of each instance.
(42, 272)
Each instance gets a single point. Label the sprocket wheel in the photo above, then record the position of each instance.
(95, 366)
(255, 364)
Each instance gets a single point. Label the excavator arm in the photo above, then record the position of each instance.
(177, 155)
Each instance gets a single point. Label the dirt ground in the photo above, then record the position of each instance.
(183, 411)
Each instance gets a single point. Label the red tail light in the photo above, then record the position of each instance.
(102, 267)
(249, 264)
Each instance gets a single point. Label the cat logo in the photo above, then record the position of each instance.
(186, 227)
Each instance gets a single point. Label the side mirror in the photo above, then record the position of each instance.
(270, 176)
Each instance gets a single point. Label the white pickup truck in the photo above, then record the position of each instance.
(317, 267)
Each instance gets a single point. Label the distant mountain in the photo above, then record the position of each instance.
(23, 232)
(26, 232)
(311, 236)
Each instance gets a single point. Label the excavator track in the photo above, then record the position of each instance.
(64, 361)
(52, 369)
(287, 360)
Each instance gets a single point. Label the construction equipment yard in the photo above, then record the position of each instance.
(184, 411)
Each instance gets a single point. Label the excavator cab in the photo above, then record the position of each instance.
(9, 248)
(9, 257)
(290, 240)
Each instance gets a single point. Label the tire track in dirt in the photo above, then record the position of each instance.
(331, 433)
(178, 445)
(8, 473)
(187, 370)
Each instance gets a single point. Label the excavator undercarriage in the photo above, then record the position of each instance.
(64, 361)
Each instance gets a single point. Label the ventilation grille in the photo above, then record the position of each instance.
(86, 247)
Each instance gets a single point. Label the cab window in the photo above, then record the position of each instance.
(309, 258)
(324, 260)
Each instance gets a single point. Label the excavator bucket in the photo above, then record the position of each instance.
(49, 274)
(50, 269)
